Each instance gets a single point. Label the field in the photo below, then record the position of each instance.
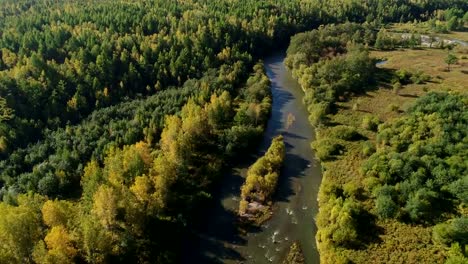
(429, 61)
(424, 28)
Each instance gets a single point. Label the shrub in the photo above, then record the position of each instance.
(318, 113)
(356, 106)
(295, 255)
(370, 122)
(371, 182)
(325, 149)
(455, 230)
(385, 206)
(402, 76)
(329, 189)
(457, 254)
(420, 77)
(351, 189)
(419, 204)
(368, 149)
(396, 87)
(393, 108)
(344, 132)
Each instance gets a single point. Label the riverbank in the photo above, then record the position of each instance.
(295, 207)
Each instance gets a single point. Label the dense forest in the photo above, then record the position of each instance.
(118, 117)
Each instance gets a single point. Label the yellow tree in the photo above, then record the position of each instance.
(123, 165)
(105, 206)
(55, 213)
(20, 229)
(60, 247)
(91, 180)
(97, 242)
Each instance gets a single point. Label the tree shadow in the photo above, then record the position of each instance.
(409, 95)
(368, 231)
(216, 240)
(383, 77)
(292, 135)
(294, 167)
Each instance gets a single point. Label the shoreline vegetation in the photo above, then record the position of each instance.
(294, 255)
(368, 203)
(260, 184)
(117, 117)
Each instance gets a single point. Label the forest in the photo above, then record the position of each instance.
(117, 118)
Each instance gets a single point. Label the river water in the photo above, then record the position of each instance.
(295, 201)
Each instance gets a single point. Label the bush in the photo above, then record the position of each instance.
(368, 149)
(371, 183)
(402, 76)
(295, 255)
(396, 87)
(240, 138)
(329, 189)
(420, 77)
(318, 113)
(345, 233)
(455, 230)
(351, 189)
(370, 122)
(393, 108)
(457, 254)
(419, 206)
(49, 185)
(441, 233)
(325, 149)
(344, 132)
(385, 206)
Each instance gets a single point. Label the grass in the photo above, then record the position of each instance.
(424, 28)
(431, 62)
(395, 242)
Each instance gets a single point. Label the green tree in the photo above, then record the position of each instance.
(385, 206)
(450, 60)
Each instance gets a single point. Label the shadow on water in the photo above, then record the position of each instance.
(214, 238)
(292, 135)
(296, 168)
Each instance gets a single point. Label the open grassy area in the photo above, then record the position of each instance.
(392, 241)
(429, 61)
(424, 28)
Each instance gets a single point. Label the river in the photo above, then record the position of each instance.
(295, 201)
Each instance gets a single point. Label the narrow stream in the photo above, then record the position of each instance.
(296, 199)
